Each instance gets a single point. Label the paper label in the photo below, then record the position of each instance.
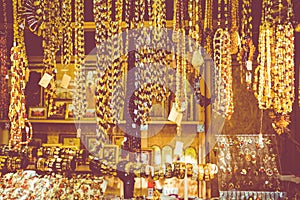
(249, 65)
(65, 81)
(45, 80)
(169, 191)
(175, 116)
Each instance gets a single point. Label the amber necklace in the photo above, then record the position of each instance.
(17, 110)
(3, 65)
(79, 101)
(223, 103)
(208, 27)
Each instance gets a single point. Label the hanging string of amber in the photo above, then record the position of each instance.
(223, 103)
(263, 80)
(65, 33)
(110, 66)
(3, 65)
(17, 110)
(234, 34)
(51, 45)
(180, 57)
(247, 49)
(274, 77)
(102, 11)
(151, 62)
(117, 68)
(208, 27)
(79, 101)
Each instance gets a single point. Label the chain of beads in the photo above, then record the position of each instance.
(17, 110)
(3, 65)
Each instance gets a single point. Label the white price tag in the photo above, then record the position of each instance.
(65, 81)
(249, 65)
(45, 80)
(175, 116)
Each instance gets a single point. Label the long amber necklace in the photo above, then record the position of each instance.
(79, 101)
(208, 27)
(247, 48)
(17, 110)
(102, 11)
(223, 103)
(274, 78)
(3, 65)
(234, 34)
(51, 44)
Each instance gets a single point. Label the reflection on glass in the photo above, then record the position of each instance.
(156, 155)
(190, 155)
(167, 154)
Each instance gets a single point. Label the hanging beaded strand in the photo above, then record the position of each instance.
(234, 34)
(118, 67)
(51, 44)
(223, 103)
(102, 16)
(247, 49)
(208, 27)
(276, 62)
(17, 110)
(79, 101)
(3, 65)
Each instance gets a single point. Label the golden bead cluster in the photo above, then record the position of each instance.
(274, 76)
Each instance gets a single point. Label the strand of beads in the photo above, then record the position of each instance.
(208, 27)
(276, 62)
(283, 71)
(3, 65)
(223, 104)
(51, 44)
(65, 30)
(247, 49)
(266, 38)
(17, 110)
(79, 101)
(117, 100)
(234, 34)
(102, 16)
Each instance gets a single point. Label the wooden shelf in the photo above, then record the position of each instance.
(62, 121)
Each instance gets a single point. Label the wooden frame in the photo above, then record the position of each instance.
(111, 153)
(91, 144)
(69, 111)
(90, 84)
(60, 108)
(72, 141)
(63, 136)
(37, 113)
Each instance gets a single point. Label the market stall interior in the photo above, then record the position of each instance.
(149, 99)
